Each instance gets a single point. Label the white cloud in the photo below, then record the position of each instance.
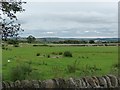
(72, 0)
(70, 19)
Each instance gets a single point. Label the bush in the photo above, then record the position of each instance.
(115, 69)
(60, 53)
(13, 42)
(35, 45)
(20, 72)
(90, 70)
(67, 54)
(16, 45)
(57, 71)
(48, 56)
(4, 46)
(73, 67)
(117, 65)
(38, 54)
(54, 53)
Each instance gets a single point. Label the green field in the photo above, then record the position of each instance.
(89, 60)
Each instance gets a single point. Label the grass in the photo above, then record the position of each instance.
(46, 68)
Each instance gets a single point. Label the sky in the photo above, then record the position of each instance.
(71, 19)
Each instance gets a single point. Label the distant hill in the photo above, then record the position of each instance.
(85, 39)
(55, 39)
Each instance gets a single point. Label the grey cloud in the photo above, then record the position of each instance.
(70, 23)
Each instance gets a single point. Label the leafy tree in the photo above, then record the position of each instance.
(8, 18)
(31, 39)
(91, 41)
(67, 54)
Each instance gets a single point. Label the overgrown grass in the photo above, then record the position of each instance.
(101, 58)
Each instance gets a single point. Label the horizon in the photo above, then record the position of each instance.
(75, 37)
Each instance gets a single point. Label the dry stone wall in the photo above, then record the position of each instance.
(107, 81)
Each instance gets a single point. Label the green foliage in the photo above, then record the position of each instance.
(31, 39)
(48, 56)
(16, 45)
(54, 53)
(89, 70)
(11, 41)
(60, 53)
(115, 69)
(73, 67)
(38, 54)
(91, 42)
(117, 65)
(67, 54)
(9, 27)
(20, 72)
(4, 46)
(102, 57)
(57, 71)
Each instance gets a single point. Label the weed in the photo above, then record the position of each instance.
(67, 54)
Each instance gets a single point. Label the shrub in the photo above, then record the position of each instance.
(57, 71)
(115, 69)
(48, 56)
(44, 63)
(90, 70)
(73, 67)
(67, 54)
(20, 72)
(35, 45)
(54, 53)
(117, 65)
(38, 54)
(4, 46)
(60, 53)
(16, 45)
(13, 42)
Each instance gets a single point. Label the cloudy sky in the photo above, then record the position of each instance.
(70, 19)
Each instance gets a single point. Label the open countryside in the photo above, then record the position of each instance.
(51, 61)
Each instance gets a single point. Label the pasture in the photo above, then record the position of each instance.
(48, 61)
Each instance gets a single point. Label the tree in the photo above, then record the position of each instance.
(9, 26)
(31, 39)
(91, 41)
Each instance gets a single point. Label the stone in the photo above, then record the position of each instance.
(56, 81)
(83, 83)
(26, 84)
(108, 81)
(78, 83)
(35, 83)
(62, 83)
(96, 81)
(40, 83)
(113, 80)
(71, 83)
(12, 85)
(49, 83)
(102, 82)
(17, 84)
(118, 81)
(4, 84)
(86, 82)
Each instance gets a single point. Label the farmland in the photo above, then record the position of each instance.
(49, 62)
